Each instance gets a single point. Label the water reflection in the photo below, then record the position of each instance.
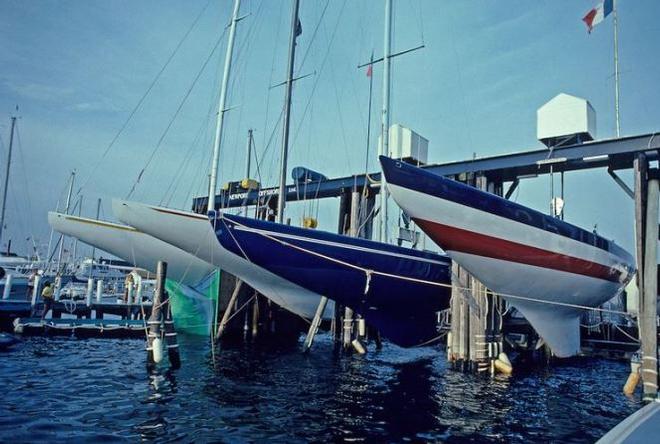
(99, 390)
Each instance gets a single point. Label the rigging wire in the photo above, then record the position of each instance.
(142, 99)
(176, 114)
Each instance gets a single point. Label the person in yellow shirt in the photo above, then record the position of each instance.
(47, 296)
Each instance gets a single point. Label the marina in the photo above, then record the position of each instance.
(494, 298)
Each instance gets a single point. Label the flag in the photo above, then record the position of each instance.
(598, 14)
(370, 70)
(298, 28)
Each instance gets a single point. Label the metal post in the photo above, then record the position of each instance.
(7, 290)
(647, 318)
(295, 31)
(221, 108)
(4, 193)
(385, 120)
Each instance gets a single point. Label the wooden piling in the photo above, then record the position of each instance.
(156, 319)
(648, 313)
(171, 340)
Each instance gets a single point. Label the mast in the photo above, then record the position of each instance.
(295, 32)
(248, 155)
(4, 193)
(66, 211)
(616, 71)
(221, 107)
(98, 212)
(385, 121)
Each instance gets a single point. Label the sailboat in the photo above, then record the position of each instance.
(546, 268)
(398, 290)
(194, 234)
(191, 282)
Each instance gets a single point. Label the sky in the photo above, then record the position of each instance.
(77, 70)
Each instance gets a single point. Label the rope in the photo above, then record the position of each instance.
(142, 99)
(369, 272)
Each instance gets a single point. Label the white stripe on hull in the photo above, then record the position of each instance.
(194, 234)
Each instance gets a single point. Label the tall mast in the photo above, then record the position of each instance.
(66, 211)
(295, 31)
(221, 107)
(616, 71)
(385, 122)
(248, 157)
(4, 193)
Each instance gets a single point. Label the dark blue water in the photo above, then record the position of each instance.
(58, 389)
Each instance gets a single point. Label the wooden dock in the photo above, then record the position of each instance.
(81, 328)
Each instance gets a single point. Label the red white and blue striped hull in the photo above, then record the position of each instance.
(534, 261)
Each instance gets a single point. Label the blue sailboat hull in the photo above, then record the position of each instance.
(397, 290)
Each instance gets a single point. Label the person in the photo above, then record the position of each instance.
(47, 296)
(128, 283)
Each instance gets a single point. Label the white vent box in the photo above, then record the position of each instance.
(566, 120)
(407, 145)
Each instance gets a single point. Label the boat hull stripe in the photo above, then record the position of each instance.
(457, 239)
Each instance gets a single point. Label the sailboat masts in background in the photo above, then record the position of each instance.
(222, 108)
(295, 31)
(4, 193)
(385, 122)
(616, 71)
(248, 158)
(66, 211)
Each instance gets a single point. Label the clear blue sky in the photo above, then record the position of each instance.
(77, 68)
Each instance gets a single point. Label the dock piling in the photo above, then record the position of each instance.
(8, 283)
(88, 293)
(647, 320)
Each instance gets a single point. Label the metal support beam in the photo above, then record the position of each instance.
(621, 183)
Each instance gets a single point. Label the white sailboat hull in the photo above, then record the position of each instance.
(133, 246)
(548, 276)
(194, 234)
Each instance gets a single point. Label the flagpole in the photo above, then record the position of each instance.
(616, 71)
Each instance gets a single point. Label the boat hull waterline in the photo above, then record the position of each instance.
(536, 260)
(397, 290)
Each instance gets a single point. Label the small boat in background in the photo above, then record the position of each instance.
(544, 267)
(397, 290)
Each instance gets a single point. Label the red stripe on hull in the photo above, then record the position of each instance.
(456, 239)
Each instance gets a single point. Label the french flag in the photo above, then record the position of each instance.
(598, 14)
